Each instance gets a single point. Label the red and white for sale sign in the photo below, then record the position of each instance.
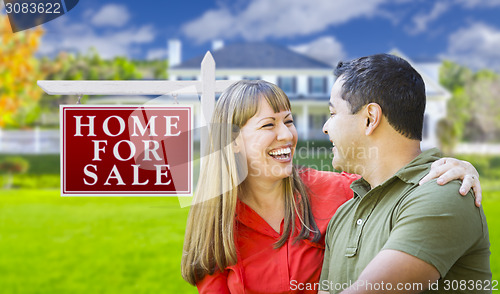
(126, 150)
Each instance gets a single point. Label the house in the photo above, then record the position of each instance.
(306, 81)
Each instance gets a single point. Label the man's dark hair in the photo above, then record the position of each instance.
(389, 81)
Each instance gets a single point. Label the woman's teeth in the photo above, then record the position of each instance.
(282, 153)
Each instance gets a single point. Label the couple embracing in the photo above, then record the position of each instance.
(259, 224)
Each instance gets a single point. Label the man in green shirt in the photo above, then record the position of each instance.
(395, 236)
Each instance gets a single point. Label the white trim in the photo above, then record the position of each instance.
(128, 87)
(255, 71)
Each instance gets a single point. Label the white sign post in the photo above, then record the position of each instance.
(206, 87)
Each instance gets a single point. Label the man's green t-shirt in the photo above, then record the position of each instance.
(431, 222)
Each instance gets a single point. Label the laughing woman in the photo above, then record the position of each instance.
(257, 223)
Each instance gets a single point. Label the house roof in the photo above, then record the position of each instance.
(256, 55)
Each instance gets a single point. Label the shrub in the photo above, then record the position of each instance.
(11, 166)
(14, 165)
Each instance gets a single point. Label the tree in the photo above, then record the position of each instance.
(156, 68)
(19, 71)
(89, 66)
(453, 76)
(484, 124)
(473, 112)
(451, 129)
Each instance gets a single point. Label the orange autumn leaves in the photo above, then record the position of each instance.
(19, 71)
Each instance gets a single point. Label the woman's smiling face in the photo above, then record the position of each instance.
(268, 142)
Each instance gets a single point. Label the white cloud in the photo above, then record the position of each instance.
(475, 46)
(479, 3)
(326, 49)
(422, 20)
(262, 19)
(63, 35)
(111, 15)
(157, 53)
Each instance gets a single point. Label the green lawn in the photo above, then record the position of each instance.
(50, 244)
(491, 205)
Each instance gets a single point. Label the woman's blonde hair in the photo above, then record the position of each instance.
(209, 243)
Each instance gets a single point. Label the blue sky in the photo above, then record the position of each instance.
(467, 31)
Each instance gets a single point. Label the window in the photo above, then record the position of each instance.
(186, 78)
(317, 85)
(251, 78)
(287, 84)
(316, 121)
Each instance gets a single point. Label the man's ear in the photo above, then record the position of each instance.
(373, 117)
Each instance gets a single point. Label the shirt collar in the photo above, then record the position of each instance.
(411, 173)
(248, 217)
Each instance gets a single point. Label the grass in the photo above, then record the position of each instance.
(51, 244)
(491, 206)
